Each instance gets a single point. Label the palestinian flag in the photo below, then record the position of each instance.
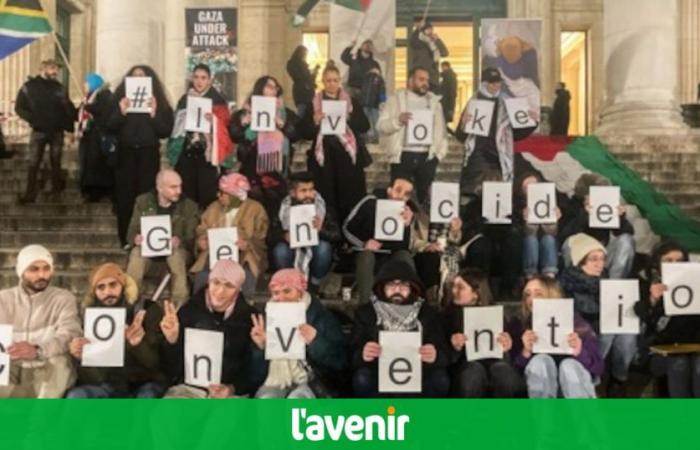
(21, 22)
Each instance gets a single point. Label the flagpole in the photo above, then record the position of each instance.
(362, 24)
(62, 52)
(425, 11)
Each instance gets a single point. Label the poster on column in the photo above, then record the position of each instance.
(223, 244)
(552, 322)
(400, 366)
(104, 328)
(211, 38)
(682, 295)
(513, 47)
(617, 299)
(605, 205)
(5, 342)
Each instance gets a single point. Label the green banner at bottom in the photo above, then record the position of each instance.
(352, 424)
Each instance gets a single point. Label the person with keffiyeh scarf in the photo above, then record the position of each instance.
(96, 150)
(398, 305)
(338, 161)
(265, 157)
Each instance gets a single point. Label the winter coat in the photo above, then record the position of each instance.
(96, 162)
(422, 55)
(303, 79)
(559, 120)
(359, 67)
(373, 91)
(140, 130)
(585, 290)
(45, 105)
(448, 90)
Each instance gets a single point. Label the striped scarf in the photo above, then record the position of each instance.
(392, 317)
(348, 139)
(273, 146)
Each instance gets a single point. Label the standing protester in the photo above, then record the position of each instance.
(303, 79)
(265, 156)
(138, 145)
(559, 120)
(495, 151)
(199, 157)
(43, 103)
(96, 150)
(426, 50)
(184, 217)
(359, 65)
(141, 376)
(372, 96)
(420, 161)
(338, 162)
(448, 90)
(44, 320)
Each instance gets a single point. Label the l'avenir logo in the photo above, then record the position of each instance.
(315, 427)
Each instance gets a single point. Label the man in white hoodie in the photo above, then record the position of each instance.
(44, 319)
(420, 161)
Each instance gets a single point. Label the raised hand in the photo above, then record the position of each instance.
(170, 325)
(135, 332)
(257, 333)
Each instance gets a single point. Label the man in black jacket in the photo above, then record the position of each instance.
(448, 90)
(359, 65)
(44, 104)
(398, 305)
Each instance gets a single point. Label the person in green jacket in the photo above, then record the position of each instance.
(326, 351)
(184, 217)
(141, 375)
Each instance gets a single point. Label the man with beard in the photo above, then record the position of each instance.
(420, 161)
(44, 319)
(184, 216)
(314, 262)
(141, 376)
(398, 305)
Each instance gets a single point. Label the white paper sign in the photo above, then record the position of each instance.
(683, 288)
(617, 299)
(204, 354)
(157, 236)
(139, 91)
(104, 328)
(388, 223)
(497, 202)
(419, 130)
(518, 113)
(263, 112)
(335, 120)
(283, 340)
(400, 367)
(541, 203)
(552, 322)
(5, 342)
(195, 119)
(481, 112)
(605, 202)
(223, 244)
(444, 202)
(482, 326)
(301, 228)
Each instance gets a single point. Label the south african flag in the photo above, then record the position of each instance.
(21, 22)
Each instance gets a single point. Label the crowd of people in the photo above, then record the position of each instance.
(237, 177)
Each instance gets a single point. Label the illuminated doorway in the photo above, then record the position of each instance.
(574, 73)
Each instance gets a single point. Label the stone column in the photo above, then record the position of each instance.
(690, 50)
(641, 43)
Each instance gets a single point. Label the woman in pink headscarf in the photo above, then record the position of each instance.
(233, 208)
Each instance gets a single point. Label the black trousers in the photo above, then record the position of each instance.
(421, 168)
(200, 180)
(38, 141)
(486, 378)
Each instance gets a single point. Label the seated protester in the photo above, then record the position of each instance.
(315, 261)
(619, 243)
(582, 282)
(234, 208)
(682, 370)
(141, 375)
(540, 249)
(325, 343)
(359, 231)
(482, 378)
(199, 157)
(398, 305)
(184, 216)
(220, 307)
(44, 320)
(549, 375)
(265, 156)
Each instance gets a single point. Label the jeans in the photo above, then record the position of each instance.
(623, 347)
(482, 379)
(620, 255)
(151, 389)
(436, 383)
(545, 379)
(683, 373)
(322, 257)
(372, 116)
(421, 168)
(301, 391)
(37, 146)
(367, 263)
(540, 253)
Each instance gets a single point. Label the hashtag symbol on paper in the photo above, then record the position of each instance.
(139, 97)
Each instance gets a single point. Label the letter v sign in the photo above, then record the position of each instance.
(288, 343)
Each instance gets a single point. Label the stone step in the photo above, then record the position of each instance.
(75, 259)
(59, 209)
(678, 167)
(66, 239)
(18, 184)
(57, 223)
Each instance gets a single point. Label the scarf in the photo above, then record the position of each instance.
(302, 256)
(273, 146)
(432, 45)
(504, 136)
(85, 118)
(285, 373)
(391, 317)
(347, 140)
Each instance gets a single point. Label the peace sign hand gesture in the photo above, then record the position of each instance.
(170, 325)
(257, 333)
(135, 333)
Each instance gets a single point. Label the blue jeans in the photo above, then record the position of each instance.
(623, 348)
(372, 116)
(151, 389)
(540, 253)
(546, 380)
(283, 258)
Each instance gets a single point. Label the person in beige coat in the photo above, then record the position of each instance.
(44, 319)
(233, 208)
